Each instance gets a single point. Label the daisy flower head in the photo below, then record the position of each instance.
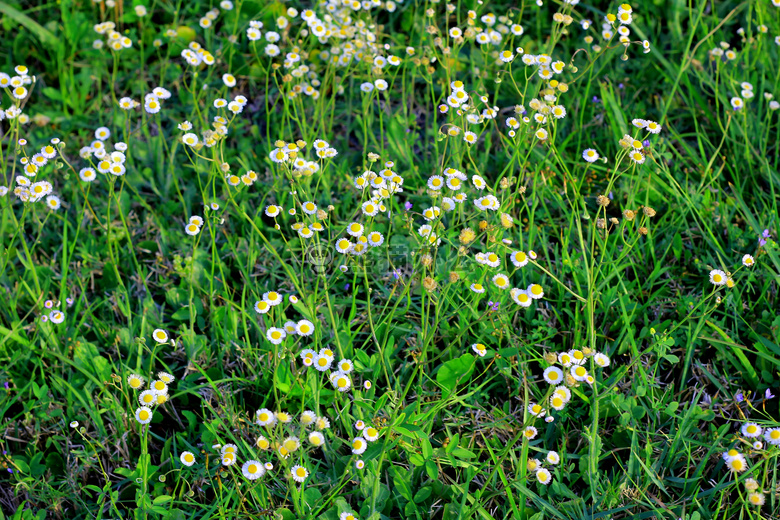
(135, 381)
(601, 360)
(190, 139)
(273, 298)
(553, 375)
(536, 410)
(304, 328)
(553, 457)
(192, 229)
(341, 381)
(557, 402)
(543, 476)
(143, 415)
(308, 417)
(165, 377)
(345, 366)
(359, 445)
(262, 443)
(479, 349)
(322, 423)
(579, 373)
(737, 464)
(375, 239)
(160, 336)
(316, 439)
(147, 398)
(730, 454)
(159, 386)
(187, 458)
(590, 155)
(253, 470)
(718, 277)
(519, 259)
(751, 430)
(521, 297)
(265, 417)
(322, 362)
(772, 436)
(653, 127)
(283, 417)
(535, 291)
(748, 261)
(637, 156)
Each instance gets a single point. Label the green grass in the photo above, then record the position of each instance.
(623, 253)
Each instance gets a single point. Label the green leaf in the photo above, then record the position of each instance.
(416, 459)
(432, 470)
(52, 93)
(422, 494)
(427, 449)
(454, 371)
(44, 35)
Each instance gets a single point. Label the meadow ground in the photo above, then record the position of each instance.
(389, 260)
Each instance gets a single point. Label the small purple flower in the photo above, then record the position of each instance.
(7, 386)
(396, 274)
(621, 86)
(346, 287)
(596, 99)
(765, 234)
(407, 205)
(10, 470)
(739, 397)
(768, 394)
(646, 142)
(761, 242)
